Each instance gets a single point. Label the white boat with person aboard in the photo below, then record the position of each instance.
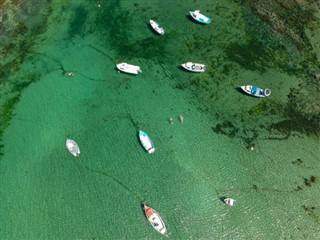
(155, 220)
(128, 68)
(230, 201)
(146, 142)
(73, 147)
(156, 26)
(194, 67)
(199, 17)
(255, 91)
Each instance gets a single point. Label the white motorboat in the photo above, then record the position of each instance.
(194, 67)
(199, 17)
(156, 26)
(255, 91)
(146, 142)
(230, 201)
(73, 147)
(128, 68)
(155, 220)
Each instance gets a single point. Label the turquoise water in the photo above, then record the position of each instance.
(46, 193)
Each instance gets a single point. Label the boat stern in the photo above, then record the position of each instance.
(151, 150)
(164, 231)
(267, 92)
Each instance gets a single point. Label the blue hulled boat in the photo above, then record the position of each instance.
(255, 91)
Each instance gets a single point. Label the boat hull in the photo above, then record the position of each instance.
(146, 142)
(194, 67)
(230, 201)
(255, 91)
(128, 68)
(156, 27)
(199, 17)
(155, 220)
(73, 147)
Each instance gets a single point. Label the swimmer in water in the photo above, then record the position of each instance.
(181, 118)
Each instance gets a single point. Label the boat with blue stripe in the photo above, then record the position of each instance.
(256, 91)
(146, 142)
(199, 17)
(156, 27)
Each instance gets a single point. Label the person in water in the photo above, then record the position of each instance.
(181, 118)
(70, 74)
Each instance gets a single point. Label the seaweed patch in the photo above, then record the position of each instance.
(312, 212)
(225, 128)
(78, 21)
(297, 162)
(309, 181)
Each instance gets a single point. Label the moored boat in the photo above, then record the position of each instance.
(73, 147)
(156, 26)
(155, 220)
(230, 201)
(194, 67)
(255, 91)
(146, 142)
(128, 68)
(199, 17)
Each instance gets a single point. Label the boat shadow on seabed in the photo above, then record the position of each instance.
(241, 91)
(223, 198)
(192, 20)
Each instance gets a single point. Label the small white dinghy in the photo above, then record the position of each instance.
(194, 67)
(73, 147)
(255, 91)
(230, 201)
(128, 68)
(156, 26)
(146, 142)
(155, 220)
(199, 17)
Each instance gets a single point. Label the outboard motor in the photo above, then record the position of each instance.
(267, 92)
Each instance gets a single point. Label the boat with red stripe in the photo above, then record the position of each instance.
(155, 220)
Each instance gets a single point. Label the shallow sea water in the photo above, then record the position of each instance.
(46, 193)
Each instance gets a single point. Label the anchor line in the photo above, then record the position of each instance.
(136, 195)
